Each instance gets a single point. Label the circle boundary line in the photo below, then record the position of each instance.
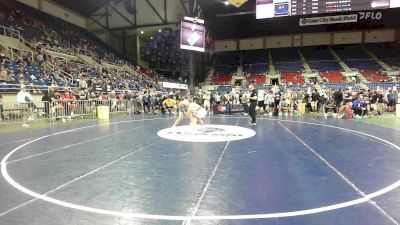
(127, 215)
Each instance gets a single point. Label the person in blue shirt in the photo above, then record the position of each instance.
(360, 107)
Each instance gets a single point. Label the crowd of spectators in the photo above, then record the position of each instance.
(347, 103)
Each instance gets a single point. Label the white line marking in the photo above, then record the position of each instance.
(196, 206)
(69, 146)
(130, 216)
(341, 175)
(358, 135)
(13, 142)
(78, 178)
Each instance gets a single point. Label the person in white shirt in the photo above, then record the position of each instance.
(206, 99)
(83, 83)
(196, 113)
(25, 101)
(269, 103)
(217, 98)
(260, 101)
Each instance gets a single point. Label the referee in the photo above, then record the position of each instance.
(253, 104)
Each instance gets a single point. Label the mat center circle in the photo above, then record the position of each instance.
(206, 133)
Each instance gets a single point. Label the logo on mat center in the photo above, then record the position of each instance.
(206, 133)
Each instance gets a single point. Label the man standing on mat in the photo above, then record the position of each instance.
(253, 103)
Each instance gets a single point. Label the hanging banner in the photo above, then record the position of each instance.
(175, 86)
(352, 18)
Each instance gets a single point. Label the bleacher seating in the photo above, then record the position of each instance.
(341, 86)
(252, 69)
(222, 79)
(223, 74)
(375, 76)
(293, 78)
(363, 64)
(392, 61)
(382, 85)
(226, 67)
(356, 58)
(325, 65)
(254, 57)
(228, 58)
(224, 88)
(285, 55)
(289, 67)
(351, 52)
(256, 79)
(320, 59)
(287, 60)
(255, 66)
(387, 52)
(39, 26)
(317, 53)
(332, 77)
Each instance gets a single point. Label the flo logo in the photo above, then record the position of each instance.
(370, 15)
(206, 133)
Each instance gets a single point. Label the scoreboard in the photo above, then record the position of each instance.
(193, 34)
(276, 8)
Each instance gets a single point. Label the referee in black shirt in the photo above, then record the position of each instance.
(253, 104)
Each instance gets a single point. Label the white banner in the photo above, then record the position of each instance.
(175, 86)
(328, 20)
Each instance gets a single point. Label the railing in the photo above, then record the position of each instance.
(48, 66)
(16, 34)
(86, 52)
(15, 53)
(13, 112)
(26, 113)
(6, 31)
(59, 50)
(13, 88)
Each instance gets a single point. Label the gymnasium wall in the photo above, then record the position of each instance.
(251, 43)
(309, 39)
(347, 37)
(278, 41)
(226, 45)
(374, 36)
(316, 39)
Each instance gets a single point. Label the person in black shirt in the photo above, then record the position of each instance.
(253, 104)
(47, 101)
(381, 101)
(338, 98)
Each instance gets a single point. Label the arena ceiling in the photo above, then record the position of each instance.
(118, 15)
(85, 8)
(131, 14)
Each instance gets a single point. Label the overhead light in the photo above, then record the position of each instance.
(159, 31)
(151, 38)
(142, 32)
(226, 3)
(237, 3)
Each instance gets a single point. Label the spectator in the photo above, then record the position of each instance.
(25, 101)
(1, 108)
(47, 102)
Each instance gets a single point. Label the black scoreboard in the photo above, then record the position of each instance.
(277, 8)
